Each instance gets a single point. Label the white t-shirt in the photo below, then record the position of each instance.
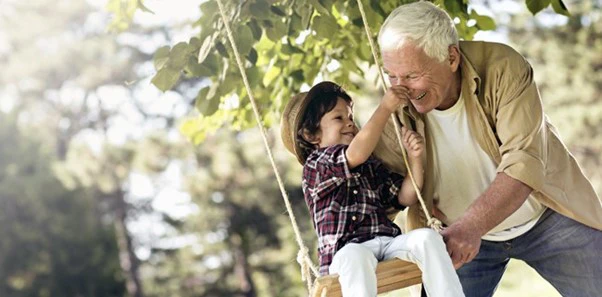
(463, 171)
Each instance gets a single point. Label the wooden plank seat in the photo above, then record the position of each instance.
(391, 275)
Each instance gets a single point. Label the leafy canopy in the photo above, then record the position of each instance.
(285, 44)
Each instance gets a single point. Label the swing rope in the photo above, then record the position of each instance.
(432, 222)
(307, 266)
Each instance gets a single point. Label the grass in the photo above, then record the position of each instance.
(520, 280)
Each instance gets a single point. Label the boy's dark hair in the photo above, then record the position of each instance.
(323, 101)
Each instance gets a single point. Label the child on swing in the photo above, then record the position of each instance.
(348, 191)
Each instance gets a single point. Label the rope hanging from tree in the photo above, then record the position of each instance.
(307, 266)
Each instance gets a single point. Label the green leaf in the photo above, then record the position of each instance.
(244, 39)
(276, 31)
(298, 75)
(295, 25)
(252, 56)
(350, 66)
(205, 103)
(260, 10)
(255, 29)
(277, 10)
(329, 3)
(212, 63)
(230, 82)
(195, 43)
(319, 7)
(455, 7)
(305, 13)
(221, 49)
(161, 57)
(269, 77)
(144, 8)
(560, 8)
(254, 75)
(205, 48)
(166, 78)
(483, 22)
(325, 26)
(189, 127)
(536, 6)
(209, 8)
(290, 49)
(365, 52)
(194, 69)
(178, 56)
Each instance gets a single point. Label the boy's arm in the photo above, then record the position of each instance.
(414, 146)
(363, 144)
(407, 195)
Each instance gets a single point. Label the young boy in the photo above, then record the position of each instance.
(348, 192)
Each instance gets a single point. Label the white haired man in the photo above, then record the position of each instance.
(497, 173)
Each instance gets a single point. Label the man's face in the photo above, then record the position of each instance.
(431, 84)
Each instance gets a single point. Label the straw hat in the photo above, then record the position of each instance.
(293, 113)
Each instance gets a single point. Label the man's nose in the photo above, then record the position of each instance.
(399, 82)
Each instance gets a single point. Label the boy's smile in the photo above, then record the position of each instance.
(337, 126)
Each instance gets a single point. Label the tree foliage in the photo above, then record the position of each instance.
(285, 44)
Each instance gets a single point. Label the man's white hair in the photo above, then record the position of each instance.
(427, 26)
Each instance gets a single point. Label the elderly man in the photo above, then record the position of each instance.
(497, 173)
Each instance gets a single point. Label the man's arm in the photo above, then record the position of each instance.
(503, 197)
(519, 127)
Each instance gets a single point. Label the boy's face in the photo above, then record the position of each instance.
(337, 126)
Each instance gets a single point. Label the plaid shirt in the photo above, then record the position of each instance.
(348, 205)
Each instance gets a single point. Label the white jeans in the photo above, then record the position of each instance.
(355, 263)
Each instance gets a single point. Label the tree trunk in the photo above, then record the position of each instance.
(127, 259)
(243, 272)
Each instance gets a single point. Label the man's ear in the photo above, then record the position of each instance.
(313, 138)
(454, 57)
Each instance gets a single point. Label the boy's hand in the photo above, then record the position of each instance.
(395, 97)
(413, 142)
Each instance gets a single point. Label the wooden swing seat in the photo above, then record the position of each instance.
(391, 275)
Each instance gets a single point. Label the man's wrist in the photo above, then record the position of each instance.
(469, 224)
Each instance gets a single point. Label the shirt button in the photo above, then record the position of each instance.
(354, 191)
(353, 218)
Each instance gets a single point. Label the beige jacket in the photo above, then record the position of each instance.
(506, 116)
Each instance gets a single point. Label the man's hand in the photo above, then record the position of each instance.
(462, 243)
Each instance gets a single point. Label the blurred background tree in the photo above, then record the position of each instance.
(53, 239)
(100, 195)
(65, 79)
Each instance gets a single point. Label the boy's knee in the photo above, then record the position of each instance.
(426, 237)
